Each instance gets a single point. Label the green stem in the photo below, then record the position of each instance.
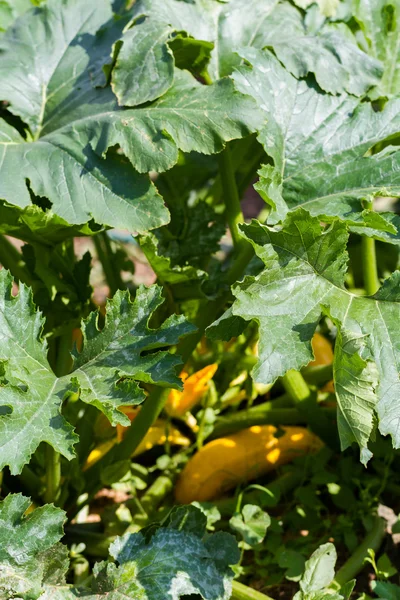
(148, 414)
(306, 403)
(318, 375)
(105, 254)
(369, 264)
(206, 77)
(243, 592)
(53, 458)
(233, 211)
(296, 386)
(267, 416)
(355, 563)
(53, 475)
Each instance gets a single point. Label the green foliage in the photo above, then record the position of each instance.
(73, 122)
(106, 372)
(156, 117)
(379, 22)
(260, 24)
(170, 560)
(304, 279)
(328, 174)
(30, 554)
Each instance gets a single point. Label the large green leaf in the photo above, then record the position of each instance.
(172, 563)
(51, 77)
(173, 560)
(168, 561)
(29, 549)
(303, 279)
(320, 144)
(107, 370)
(189, 117)
(74, 123)
(36, 77)
(6, 15)
(338, 63)
(380, 22)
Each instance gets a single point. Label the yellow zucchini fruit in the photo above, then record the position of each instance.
(194, 387)
(156, 436)
(323, 353)
(226, 462)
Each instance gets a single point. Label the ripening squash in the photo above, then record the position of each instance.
(323, 354)
(224, 463)
(322, 349)
(156, 436)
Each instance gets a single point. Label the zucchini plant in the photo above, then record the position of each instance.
(156, 118)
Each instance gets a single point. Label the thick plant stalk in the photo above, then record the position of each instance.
(318, 375)
(53, 458)
(370, 273)
(369, 264)
(355, 563)
(296, 386)
(243, 592)
(233, 211)
(264, 414)
(53, 475)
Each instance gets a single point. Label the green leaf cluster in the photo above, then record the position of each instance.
(107, 371)
(168, 560)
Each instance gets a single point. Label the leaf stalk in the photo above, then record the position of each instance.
(243, 592)
(369, 263)
(53, 475)
(233, 211)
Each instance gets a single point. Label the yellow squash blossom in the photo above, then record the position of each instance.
(194, 387)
